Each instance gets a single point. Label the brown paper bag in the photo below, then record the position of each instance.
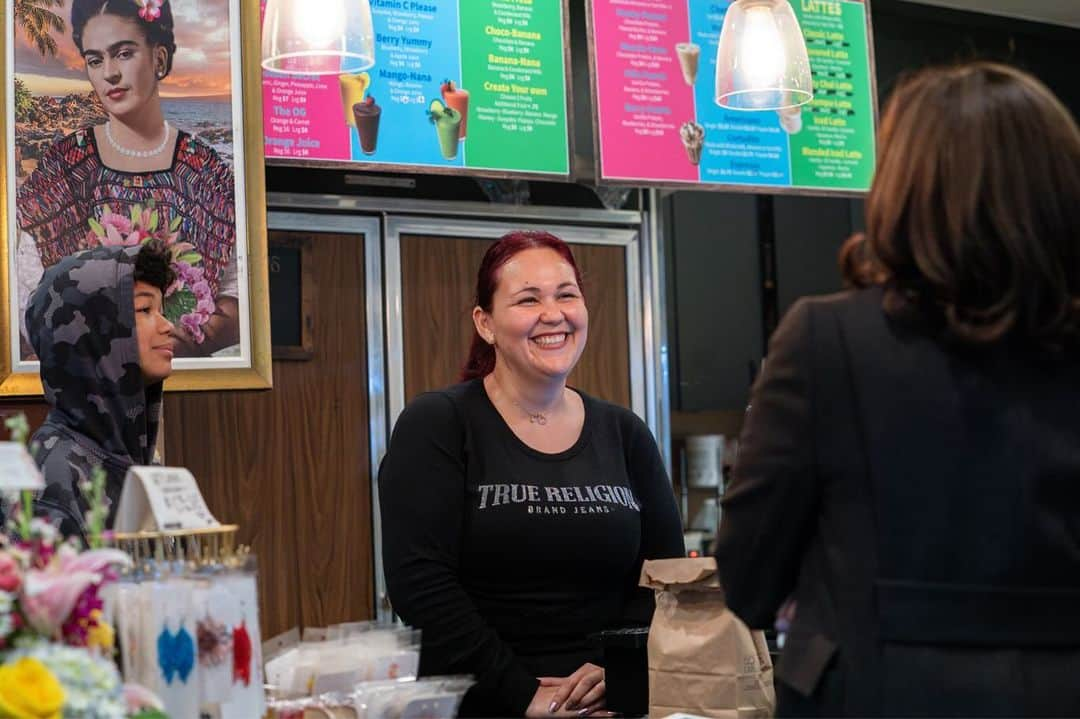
(702, 659)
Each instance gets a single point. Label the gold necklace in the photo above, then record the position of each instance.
(539, 418)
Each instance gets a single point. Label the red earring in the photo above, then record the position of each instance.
(241, 655)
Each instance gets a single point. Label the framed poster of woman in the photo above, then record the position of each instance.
(126, 121)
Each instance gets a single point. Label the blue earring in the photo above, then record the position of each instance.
(176, 654)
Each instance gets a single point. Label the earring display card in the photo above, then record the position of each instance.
(248, 696)
(171, 616)
(218, 614)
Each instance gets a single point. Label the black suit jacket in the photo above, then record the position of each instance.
(922, 505)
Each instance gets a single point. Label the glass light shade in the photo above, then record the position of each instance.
(317, 37)
(761, 63)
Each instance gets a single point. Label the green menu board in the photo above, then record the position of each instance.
(835, 150)
(512, 57)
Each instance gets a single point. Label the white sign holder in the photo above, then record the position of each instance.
(162, 499)
(18, 469)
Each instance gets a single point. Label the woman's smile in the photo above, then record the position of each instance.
(552, 341)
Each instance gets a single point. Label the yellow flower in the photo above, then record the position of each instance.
(29, 691)
(101, 635)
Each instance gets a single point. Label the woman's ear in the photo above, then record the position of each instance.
(161, 61)
(482, 322)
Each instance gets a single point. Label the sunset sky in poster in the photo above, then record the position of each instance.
(200, 68)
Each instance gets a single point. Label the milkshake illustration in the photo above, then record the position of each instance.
(689, 53)
(366, 116)
(447, 122)
(457, 98)
(790, 119)
(353, 88)
(693, 139)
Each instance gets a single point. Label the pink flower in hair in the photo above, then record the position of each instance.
(149, 10)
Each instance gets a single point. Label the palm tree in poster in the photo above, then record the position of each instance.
(37, 20)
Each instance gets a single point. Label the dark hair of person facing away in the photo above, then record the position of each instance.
(481, 360)
(973, 219)
(153, 265)
(156, 32)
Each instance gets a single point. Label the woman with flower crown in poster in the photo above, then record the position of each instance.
(135, 177)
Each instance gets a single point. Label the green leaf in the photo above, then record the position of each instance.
(190, 257)
(179, 304)
(175, 223)
(153, 220)
(135, 212)
(19, 427)
(97, 228)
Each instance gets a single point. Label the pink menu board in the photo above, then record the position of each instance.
(653, 65)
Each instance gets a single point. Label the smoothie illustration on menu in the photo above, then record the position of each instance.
(366, 116)
(693, 139)
(353, 88)
(457, 98)
(689, 53)
(447, 122)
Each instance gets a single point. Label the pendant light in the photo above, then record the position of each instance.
(317, 37)
(761, 62)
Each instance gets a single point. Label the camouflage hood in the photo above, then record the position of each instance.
(81, 322)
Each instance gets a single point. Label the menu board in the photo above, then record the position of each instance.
(475, 85)
(654, 77)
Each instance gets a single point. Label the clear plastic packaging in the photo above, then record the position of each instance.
(363, 652)
(428, 698)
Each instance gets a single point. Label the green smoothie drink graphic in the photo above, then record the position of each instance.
(447, 122)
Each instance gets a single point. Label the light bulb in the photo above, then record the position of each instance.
(317, 37)
(761, 53)
(761, 59)
(320, 22)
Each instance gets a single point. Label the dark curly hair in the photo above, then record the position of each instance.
(153, 265)
(158, 32)
(973, 219)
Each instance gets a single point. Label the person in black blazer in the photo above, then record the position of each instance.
(909, 468)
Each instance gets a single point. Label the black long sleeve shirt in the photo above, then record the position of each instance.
(508, 558)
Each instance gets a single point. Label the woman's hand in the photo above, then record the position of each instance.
(184, 344)
(221, 330)
(545, 704)
(542, 701)
(581, 693)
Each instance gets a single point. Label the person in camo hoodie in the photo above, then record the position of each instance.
(105, 348)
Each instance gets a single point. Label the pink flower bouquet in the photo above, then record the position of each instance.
(189, 303)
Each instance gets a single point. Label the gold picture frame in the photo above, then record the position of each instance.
(250, 364)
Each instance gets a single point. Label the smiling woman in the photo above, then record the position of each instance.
(491, 489)
(135, 176)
